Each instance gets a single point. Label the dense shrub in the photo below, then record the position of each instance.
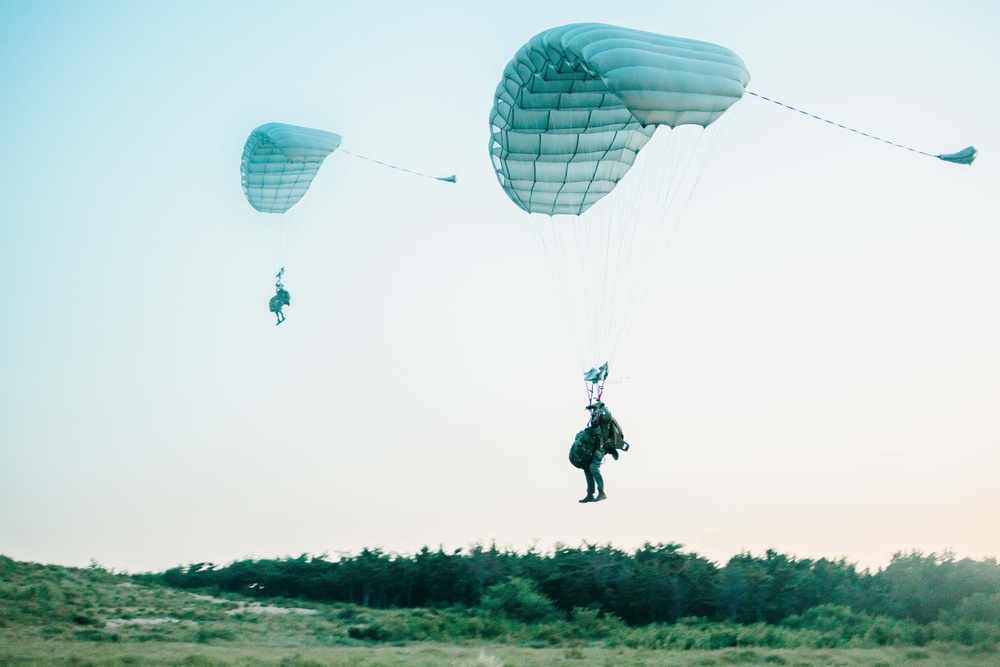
(519, 599)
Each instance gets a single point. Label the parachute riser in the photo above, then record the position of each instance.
(594, 380)
(592, 390)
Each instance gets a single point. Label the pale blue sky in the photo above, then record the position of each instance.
(816, 369)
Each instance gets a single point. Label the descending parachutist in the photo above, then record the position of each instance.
(280, 162)
(602, 436)
(281, 298)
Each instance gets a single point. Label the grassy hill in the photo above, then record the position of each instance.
(51, 615)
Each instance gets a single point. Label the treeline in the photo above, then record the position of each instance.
(655, 584)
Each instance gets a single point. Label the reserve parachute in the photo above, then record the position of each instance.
(574, 108)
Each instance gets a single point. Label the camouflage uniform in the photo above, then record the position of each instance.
(593, 473)
(587, 453)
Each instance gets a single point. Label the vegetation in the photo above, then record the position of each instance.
(654, 584)
(586, 606)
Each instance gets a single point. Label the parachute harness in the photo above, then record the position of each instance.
(610, 436)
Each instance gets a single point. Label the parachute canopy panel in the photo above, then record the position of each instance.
(280, 162)
(577, 103)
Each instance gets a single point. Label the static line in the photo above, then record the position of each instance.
(964, 156)
(445, 179)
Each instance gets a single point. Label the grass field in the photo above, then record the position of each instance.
(71, 653)
(52, 615)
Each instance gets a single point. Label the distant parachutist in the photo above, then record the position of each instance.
(280, 299)
(278, 167)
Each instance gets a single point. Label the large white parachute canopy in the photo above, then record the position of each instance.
(280, 162)
(573, 110)
(578, 103)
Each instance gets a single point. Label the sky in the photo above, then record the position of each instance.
(815, 369)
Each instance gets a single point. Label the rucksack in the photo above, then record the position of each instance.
(587, 441)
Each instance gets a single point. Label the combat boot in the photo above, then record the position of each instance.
(600, 497)
(588, 499)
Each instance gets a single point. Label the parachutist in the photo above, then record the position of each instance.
(602, 436)
(281, 298)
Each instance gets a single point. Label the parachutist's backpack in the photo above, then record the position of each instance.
(611, 434)
(587, 441)
(604, 434)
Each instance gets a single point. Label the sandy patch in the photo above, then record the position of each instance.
(118, 622)
(255, 607)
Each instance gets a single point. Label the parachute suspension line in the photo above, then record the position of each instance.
(557, 257)
(602, 264)
(964, 156)
(574, 262)
(589, 253)
(295, 219)
(444, 179)
(285, 219)
(570, 248)
(280, 259)
(587, 241)
(544, 229)
(624, 223)
(641, 215)
(645, 212)
(703, 145)
(600, 238)
(604, 292)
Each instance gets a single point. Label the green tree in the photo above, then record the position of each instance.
(520, 600)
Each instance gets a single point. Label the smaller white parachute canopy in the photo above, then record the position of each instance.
(280, 162)
(577, 103)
